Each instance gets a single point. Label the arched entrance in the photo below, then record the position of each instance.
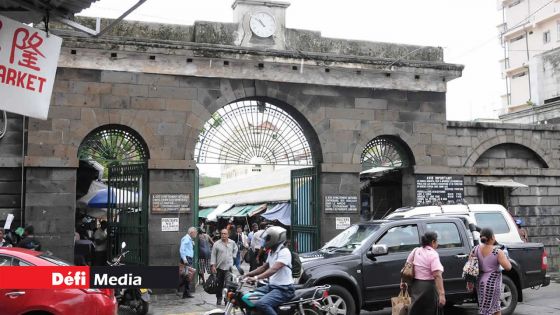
(260, 136)
(118, 192)
(385, 160)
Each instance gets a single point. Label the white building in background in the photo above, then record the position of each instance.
(530, 35)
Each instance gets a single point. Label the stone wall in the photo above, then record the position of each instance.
(10, 170)
(528, 154)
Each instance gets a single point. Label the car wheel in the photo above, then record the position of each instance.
(508, 296)
(339, 301)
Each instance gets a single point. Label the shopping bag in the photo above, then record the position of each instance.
(211, 285)
(471, 269)
(401, 303)
(186, 271)
(407, 272)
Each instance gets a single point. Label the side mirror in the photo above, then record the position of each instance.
(123, 245)
(473, 227)
(378, 250)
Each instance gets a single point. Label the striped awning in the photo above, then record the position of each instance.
(243, 211)
(203, 213)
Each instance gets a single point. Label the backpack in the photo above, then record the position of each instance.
(296, 264)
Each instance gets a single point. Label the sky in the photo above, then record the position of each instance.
(465, 29)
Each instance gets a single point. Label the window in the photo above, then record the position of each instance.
(401, 238)
(493, 220)
(448, 235)
(5, 261)
(546, 37)
(21, 263)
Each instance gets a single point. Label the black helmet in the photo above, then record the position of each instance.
(274, 236)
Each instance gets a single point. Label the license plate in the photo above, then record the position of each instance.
(143, 291)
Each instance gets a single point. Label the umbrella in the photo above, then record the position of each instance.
(99, 194)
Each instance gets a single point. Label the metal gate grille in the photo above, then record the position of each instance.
(127, 213)
(305, 209)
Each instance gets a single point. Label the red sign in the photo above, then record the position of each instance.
(28, 62)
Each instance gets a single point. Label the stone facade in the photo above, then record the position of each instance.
(342, 93)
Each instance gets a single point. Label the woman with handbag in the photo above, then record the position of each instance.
(490, 258)
(427, 292)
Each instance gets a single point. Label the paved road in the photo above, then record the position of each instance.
(541, 302)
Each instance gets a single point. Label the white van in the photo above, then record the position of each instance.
(495, 217)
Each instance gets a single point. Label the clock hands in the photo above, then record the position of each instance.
(258, 20)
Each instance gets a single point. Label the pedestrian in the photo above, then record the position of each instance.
(186, 253)
(278, 269)
(205, 244)
(490, 258)
(100, 239)
(427, 292)
(29, 241)
(254, 229)
(522, 231)
(4, 242)
(240, 240)
(256, 248)
(221, 260)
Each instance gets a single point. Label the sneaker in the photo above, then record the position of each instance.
(219, 301)
(188, 296)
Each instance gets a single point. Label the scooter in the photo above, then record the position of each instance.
(136, 299)
(241, 297)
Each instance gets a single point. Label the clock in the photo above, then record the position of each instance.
(262, 24)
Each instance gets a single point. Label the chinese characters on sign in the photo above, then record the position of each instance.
(433, 189)
(169, 224)
(341, 204)
(171, 203)
(28, 62)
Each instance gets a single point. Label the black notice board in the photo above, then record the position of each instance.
(433, 189)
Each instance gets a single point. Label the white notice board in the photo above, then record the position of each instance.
(169, 224)
(342, 223)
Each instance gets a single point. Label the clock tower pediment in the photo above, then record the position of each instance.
(260, 23)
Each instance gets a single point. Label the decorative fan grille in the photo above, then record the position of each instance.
(113, 145)
(382, 152)
(252, 132)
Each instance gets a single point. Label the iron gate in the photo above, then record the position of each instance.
(127, 213)
(305, 232)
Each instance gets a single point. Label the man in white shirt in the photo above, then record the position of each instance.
(221, 260)
(280, 288)
(257, 242)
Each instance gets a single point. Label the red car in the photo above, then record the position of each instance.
(50, 301)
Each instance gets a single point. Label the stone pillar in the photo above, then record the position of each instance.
(347, 184)
(164, 246)
(50, 206)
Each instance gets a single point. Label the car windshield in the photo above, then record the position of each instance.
(54, 260)
(351, 238)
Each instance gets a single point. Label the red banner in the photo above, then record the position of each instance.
(39, 277)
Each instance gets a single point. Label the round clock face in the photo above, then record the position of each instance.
(262, 24)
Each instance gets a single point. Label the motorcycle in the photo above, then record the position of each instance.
(137, 299)
(241, 296)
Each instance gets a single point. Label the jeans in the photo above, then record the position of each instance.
(237, 262)
(274, 295)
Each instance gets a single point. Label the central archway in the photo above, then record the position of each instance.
(253, 132)
(274, 148)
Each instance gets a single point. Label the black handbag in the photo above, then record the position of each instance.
(211, 284)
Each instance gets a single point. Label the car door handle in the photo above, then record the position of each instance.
(15, 294)
(460, 256)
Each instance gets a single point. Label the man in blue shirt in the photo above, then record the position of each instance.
(186, 253)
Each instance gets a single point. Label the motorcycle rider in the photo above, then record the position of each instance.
(277, 268)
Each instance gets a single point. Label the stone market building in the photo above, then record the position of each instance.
(358, 107)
